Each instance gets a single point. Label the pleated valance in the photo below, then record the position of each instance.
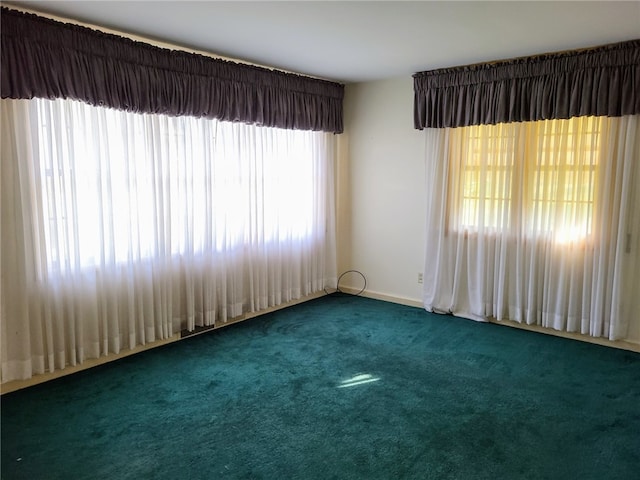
(602, 81)
(44, 58)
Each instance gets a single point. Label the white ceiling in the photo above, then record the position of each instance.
(362, 40)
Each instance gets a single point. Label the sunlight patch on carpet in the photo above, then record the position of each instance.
(358, 380)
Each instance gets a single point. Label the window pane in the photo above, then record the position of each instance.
(534, 177)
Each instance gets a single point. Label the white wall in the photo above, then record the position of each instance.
(381, 192)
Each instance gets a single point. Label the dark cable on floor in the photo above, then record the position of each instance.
(338, 290)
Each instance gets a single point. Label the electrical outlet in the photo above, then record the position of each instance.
(419, 277)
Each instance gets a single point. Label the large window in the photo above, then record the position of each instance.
(533, 178)
(121, 229)
(117, 186)
(532, 181)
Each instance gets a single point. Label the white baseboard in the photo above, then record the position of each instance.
(88, 363)
(410, 302)
(36, 379)
(621, 344)
(93, 362)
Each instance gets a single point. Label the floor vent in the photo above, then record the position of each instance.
(196, 331)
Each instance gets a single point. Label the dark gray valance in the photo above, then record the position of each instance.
(603, 81)
(44, 58)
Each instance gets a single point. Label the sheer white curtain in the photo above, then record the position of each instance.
(120, 229)
(536, 222)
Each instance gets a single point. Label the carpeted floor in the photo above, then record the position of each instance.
(337, 388)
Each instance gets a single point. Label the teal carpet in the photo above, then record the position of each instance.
(337, 388)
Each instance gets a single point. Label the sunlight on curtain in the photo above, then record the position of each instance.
(537, 178)
(535, 223)
(120, 229)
